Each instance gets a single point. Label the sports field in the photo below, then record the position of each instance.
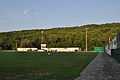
(42, 66)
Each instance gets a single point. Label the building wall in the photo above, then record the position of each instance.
(118, 40)
(62, 49)
(26, 49)
(111, 45)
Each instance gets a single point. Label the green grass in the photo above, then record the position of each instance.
(41, 66)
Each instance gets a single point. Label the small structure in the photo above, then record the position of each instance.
(45, 49)
(99, 49)
(72, 49)
(26, 49)
(40, 50)
(43, 46)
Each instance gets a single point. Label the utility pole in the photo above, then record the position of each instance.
(42, 38)
(16, 44)
(86, 40)
(109, 39)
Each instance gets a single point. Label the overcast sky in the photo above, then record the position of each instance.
(34, 14)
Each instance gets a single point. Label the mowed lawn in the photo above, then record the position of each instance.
(41, 66)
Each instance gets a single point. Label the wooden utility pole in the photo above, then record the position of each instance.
(42, 38)
(86, 40)
(109, 40)
(16, 45)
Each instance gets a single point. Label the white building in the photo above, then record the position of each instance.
(71, 49)
(45, 49)
(43, 46)
(40, 50)
(26, 49)
(111, 45)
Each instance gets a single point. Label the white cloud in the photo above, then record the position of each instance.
(26, 12)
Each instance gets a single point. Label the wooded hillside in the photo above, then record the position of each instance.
(60, 37)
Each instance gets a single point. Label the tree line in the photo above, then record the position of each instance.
(60, 37)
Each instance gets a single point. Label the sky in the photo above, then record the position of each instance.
(37, 14)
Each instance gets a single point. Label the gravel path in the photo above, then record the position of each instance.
(103, 67)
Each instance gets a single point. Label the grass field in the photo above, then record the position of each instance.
(41, 66)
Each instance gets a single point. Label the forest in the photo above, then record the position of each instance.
(73, 36)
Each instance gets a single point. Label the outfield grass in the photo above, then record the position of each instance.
(41, 66)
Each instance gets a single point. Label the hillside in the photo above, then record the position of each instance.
(60, 37)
